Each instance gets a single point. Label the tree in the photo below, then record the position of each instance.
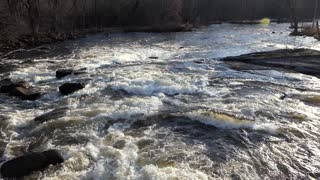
(315, 13)
(292, 4)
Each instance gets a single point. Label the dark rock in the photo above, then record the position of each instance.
(305, 61)
(106, 127)
(55, 114)
(119, 144)
(65, 72)
(284, 96)
(153, 57)
(200, 61)
(21, 89)
(144, 143)
(70, 88)
(25, 165)
(7, 85)
(25, 94)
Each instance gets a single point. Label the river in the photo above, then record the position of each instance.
(181, 114)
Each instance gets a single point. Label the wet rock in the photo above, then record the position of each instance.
(21, 89)
(119, 144)
(7, 85)
(284, 96)
(25, 93)
(65, 72)
(312, 100)
(153, 57)
(305, 61)
(144, 143)
(69, 88)
(25, 165)
(55, 114)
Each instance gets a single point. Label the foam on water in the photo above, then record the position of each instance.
(228, 122)
(151, 82)
(125, 85)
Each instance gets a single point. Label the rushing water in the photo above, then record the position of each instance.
(185, 115)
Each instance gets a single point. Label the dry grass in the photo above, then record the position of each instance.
(311, 31)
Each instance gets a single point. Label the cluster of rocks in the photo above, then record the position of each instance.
(36, 161)
(25, 91)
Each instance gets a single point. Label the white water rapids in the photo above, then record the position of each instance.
(182, 115)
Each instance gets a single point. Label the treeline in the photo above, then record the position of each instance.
(34, 16)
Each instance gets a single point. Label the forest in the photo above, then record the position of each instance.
(30, 17)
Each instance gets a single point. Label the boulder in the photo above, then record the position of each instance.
(153, 57)
(21, 89)
(55, 114)
(25, 93)
(25, 165)
(69, 88)
(7, 85)
(65, 72)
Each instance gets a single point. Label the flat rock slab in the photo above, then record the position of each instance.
(305, 61)
(55, 114)
(25, 165)
(69, 88)
(66, 72)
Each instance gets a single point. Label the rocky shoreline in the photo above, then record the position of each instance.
(305, 61)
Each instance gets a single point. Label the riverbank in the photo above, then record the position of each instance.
(29, 41)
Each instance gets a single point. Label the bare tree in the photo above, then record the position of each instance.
(292, 4)
(315, 13)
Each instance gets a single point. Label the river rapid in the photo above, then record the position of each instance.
(181, 114)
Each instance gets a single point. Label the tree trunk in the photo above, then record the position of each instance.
(315, 13)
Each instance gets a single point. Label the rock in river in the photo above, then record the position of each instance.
(65, 72)
(20, 89)
(305, 61)
(55, 114)
(7, 85)
(25, 165)
(69, 88)
(25, 94)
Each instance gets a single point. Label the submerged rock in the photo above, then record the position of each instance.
(313, 100)
(55, 114)
(65, 72)
(69, 88)
(119, 144)
(25, 165)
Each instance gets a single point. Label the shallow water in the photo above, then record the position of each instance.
(183, 115)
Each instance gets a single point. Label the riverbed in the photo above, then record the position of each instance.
(164, 106)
